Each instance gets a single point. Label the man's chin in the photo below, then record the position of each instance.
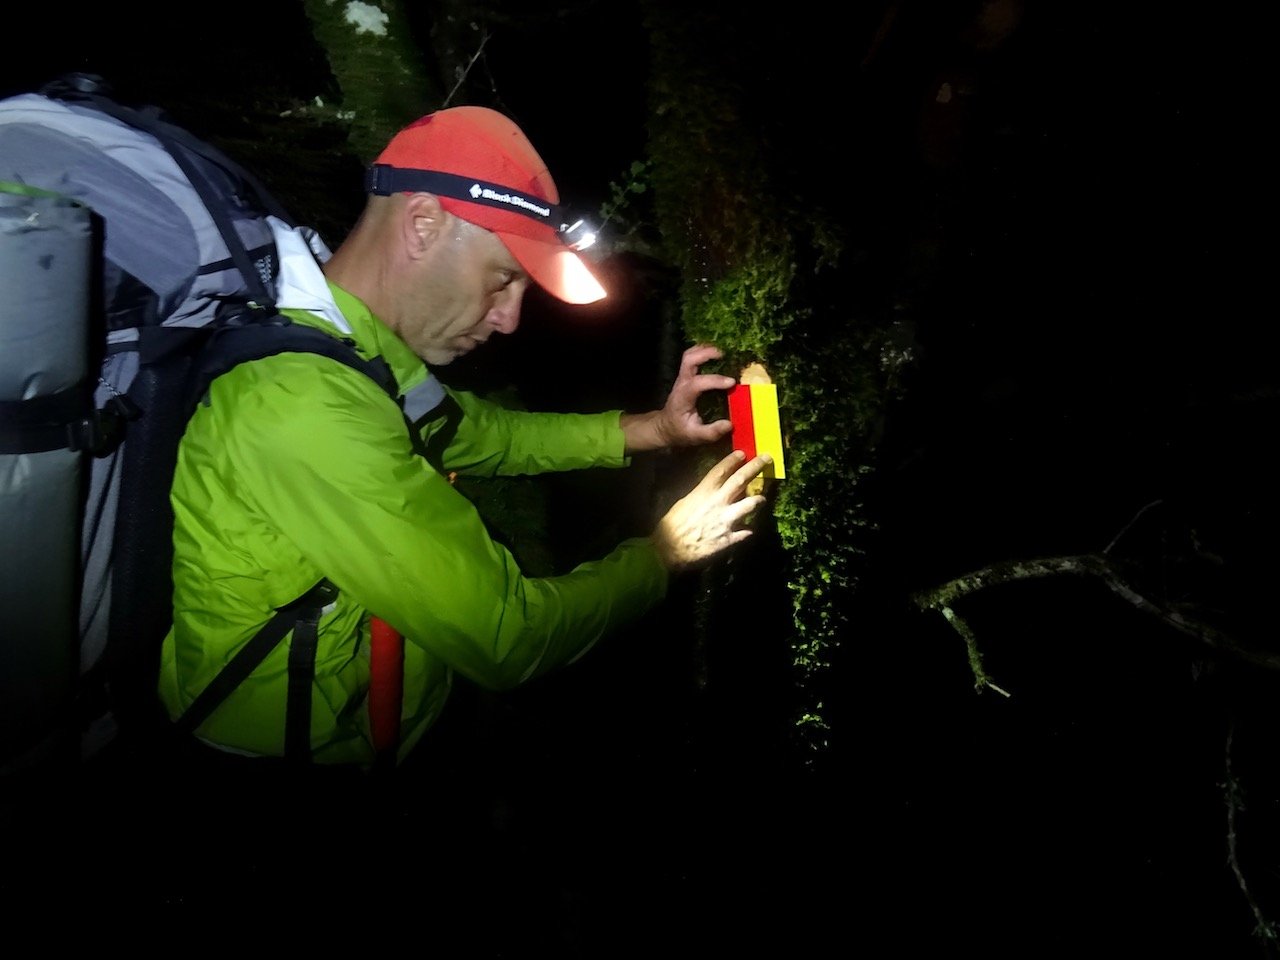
(439, 357)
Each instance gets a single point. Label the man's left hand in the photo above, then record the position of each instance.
(678, 423)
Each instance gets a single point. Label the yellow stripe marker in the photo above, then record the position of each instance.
(764, 415)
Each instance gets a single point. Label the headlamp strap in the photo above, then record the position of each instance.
(384, 180)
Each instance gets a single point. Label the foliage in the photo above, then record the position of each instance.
(626, 220)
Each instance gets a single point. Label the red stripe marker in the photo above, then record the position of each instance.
(744, 433)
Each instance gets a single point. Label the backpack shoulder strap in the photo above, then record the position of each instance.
(227, 348)
(252, 654)
(259, 337)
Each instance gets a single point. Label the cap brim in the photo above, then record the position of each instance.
(555, 268)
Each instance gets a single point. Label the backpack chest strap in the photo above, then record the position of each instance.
(423, 399)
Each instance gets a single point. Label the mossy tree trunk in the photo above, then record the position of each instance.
(378, 65)
(758, 252)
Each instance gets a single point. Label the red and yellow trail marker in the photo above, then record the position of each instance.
(753, 410)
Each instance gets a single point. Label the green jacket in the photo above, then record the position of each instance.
(296, 468)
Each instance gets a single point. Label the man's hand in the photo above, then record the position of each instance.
(678, 423)
(704, 523)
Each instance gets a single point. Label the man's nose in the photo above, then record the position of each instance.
(504, 316)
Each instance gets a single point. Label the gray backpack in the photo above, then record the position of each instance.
(126, 246)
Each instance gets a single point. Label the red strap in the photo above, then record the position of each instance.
(386, 684)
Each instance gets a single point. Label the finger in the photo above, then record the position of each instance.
(711, 381)
(740, 510)
(747, 472)
(729, 478)
(716, 429)
(720, 474)
(698, 354)
(707, 432)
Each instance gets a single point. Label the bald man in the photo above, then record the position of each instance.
(302, 484)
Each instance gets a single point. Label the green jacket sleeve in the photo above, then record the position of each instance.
(325, 458)
(487, 439)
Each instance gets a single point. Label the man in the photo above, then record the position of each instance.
(297, 470)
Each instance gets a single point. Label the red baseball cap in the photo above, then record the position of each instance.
(484, 170)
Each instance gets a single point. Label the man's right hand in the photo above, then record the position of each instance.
(705, 522)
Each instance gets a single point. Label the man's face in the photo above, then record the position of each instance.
(471, 289)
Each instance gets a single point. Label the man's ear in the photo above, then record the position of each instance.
(424, 220)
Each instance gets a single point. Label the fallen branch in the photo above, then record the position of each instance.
(1231, 793)
(943, 598)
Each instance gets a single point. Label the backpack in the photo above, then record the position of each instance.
(186, 266)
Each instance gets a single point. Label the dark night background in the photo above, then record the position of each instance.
(1077, 241)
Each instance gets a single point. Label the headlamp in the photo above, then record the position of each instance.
(578, 235)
